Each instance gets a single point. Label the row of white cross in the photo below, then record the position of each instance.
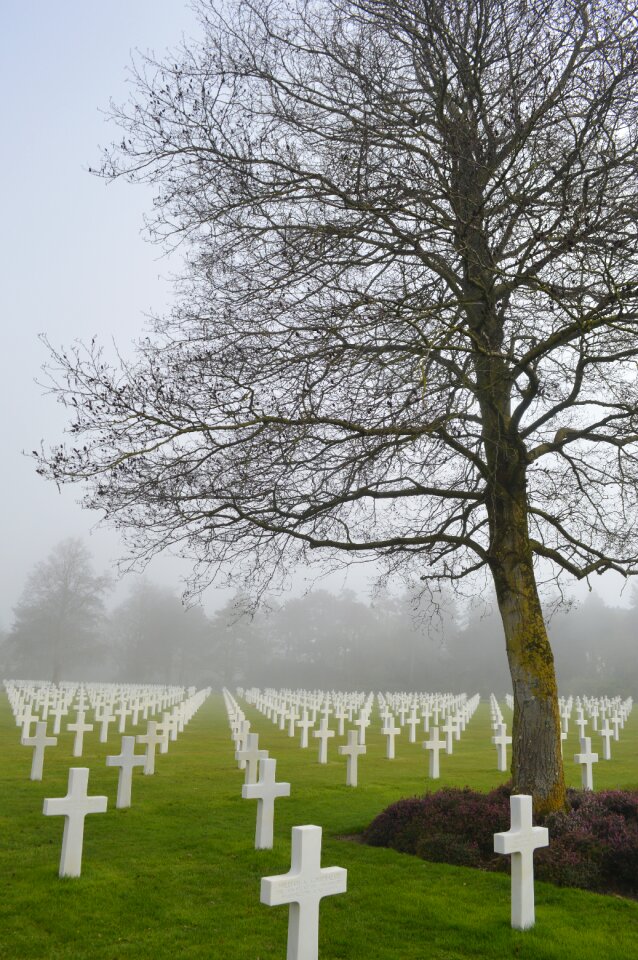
(614, 711)
(586, 757)
(157, 735)
(109, 701)
(306, 883)
(77, 804)
(299, 711)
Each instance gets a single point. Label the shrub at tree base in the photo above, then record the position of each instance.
(594, 845)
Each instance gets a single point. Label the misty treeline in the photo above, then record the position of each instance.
(62, 629)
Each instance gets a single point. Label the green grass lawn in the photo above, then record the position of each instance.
(176, 875)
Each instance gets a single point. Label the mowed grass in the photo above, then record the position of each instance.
(177, 875)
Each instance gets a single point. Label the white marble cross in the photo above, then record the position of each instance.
(501, 741)
(323, 734)
(74, 808)
(123, 712)
(104, 719)
(25, 719)
(362, 722)
(172, 720)
(586, 758)
(616, 722)
(126, 761)
(39, 742)
(606, 733)
(80, 728)
(265, 791)
(519, 842)
(292, 716)
(412, 722)
(57, 712)
(448, 729)
(340, 717)
(151, 739)
(242, 738)
(352, 752)
(136, 708)
(303, 887)
(427, 716)
(305, 723)
(251, 755)
(457, 722)
(434, 745)
(163, 729)
(390, 732)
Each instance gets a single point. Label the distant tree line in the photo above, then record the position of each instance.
(63, 630)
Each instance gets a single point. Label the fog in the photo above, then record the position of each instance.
(63, 631)
(76, 264)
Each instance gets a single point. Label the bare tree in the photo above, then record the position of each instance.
(56, 632)
(408, 328)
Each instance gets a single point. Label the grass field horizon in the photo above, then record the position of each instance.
(177, 874)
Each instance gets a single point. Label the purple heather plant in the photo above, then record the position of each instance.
(593, 845)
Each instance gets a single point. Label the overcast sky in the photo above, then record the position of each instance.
(75, 262)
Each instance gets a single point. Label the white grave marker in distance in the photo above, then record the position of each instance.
(58, 711)
(151, 739)
(105, 718)
(362, 722)
(126, 761)
(304, 724)
(39, 742)
(501, 741)
(26, 718)
(390, 732)
(265, 791)
(123, 712)
(74, 808)
(302, 888)
(586, 758)
(519, 842)
(606, 733)
(80, 728)
(352, 751)
(322, 734)
(412, 722)
(448, 730)
(251, 755)
(434, 745)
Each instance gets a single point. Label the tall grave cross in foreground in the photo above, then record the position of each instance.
(74, 808)
(520, 841)
(303, 887)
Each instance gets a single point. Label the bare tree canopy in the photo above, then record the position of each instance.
(409, 325)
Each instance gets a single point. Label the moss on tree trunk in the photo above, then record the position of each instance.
(537, 764)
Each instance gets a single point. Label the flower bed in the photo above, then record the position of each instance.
(593, 845)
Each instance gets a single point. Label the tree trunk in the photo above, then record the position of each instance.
(537, 764)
